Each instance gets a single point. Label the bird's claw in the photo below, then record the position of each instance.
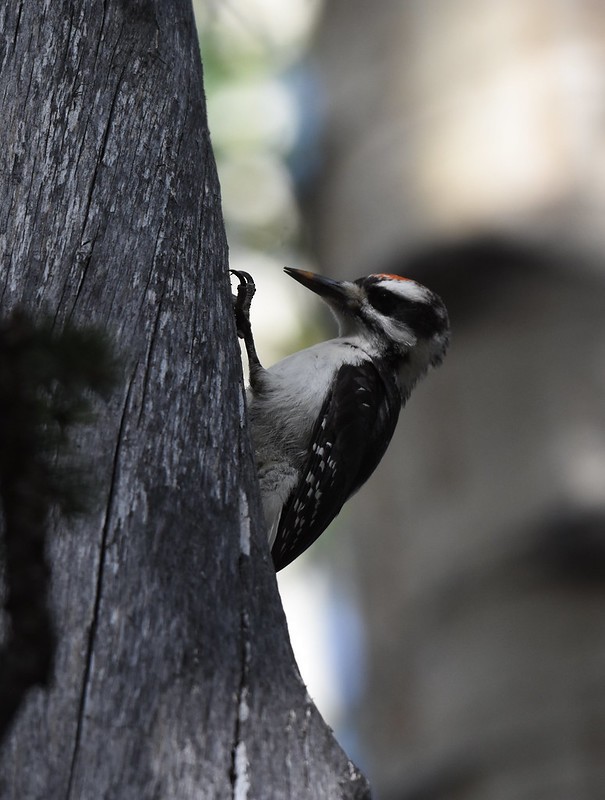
(242, 301)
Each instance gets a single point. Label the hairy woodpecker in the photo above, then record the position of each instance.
(321, 419)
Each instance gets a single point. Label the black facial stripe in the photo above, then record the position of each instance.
(422, 318)
(384, 301)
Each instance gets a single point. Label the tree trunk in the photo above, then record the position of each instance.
(174, 676)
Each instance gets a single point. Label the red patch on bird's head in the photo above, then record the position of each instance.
(391, 276)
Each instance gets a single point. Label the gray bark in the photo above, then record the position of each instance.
(174, 675)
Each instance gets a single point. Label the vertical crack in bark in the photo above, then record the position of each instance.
(102, 149)
(18, 24)
(308, 710)
(93, 185)
(240, 780)
(98, 592)
(153, 342)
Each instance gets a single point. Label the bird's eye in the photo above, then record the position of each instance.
(425, 319)
(383, 301)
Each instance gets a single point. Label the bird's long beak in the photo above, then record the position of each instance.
(337, 293)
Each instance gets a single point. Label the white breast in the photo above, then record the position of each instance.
(282, 413)
(293, 391)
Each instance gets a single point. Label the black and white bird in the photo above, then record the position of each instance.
(321, 419)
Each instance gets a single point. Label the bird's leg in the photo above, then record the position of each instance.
(241, 306)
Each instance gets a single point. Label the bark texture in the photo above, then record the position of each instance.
(174, 675)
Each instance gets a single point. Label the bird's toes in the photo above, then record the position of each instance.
(245, 292)
(242, 301)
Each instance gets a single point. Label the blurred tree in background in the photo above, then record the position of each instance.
(463, 146)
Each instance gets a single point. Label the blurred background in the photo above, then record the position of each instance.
(451, 624)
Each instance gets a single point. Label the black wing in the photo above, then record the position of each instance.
(351, 435)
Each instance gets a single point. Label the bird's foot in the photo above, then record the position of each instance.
(242, 301)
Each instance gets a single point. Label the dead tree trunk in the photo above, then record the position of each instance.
(174, 676)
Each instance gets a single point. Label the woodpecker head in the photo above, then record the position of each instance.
(401, 317)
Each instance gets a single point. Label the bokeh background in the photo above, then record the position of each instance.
(451, 623)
